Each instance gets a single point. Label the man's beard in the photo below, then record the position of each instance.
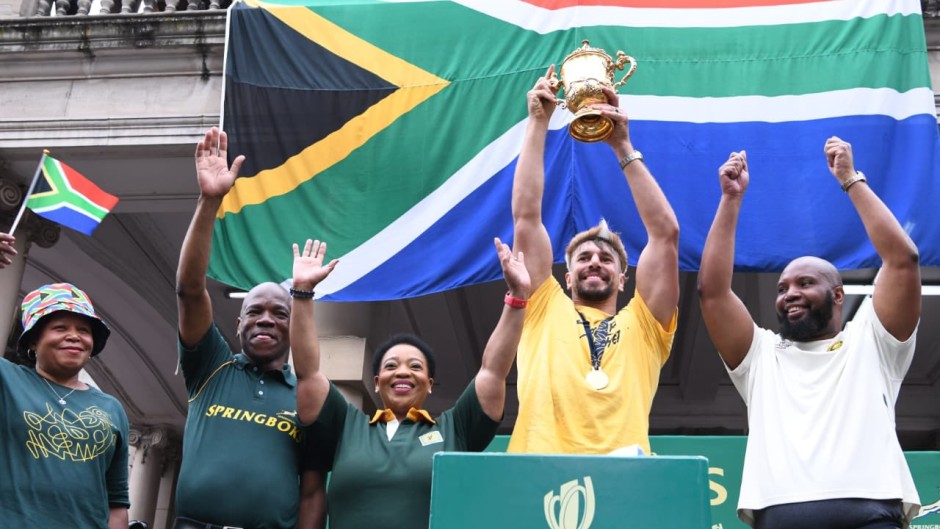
(594, 295)
(810, 326)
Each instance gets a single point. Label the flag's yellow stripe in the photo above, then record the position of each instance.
(344, 44)
(325, 153)
(416, 86)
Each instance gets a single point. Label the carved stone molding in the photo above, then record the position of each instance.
(145, 440)
(11, 195)
(154, 437)
(133, 437)
(43, 232)
(172, 455)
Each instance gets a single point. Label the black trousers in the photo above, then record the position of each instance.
(847, 513)
(188, 523)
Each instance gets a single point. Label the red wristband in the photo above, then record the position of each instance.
(515, 302)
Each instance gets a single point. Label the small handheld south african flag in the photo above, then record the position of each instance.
(61, 194)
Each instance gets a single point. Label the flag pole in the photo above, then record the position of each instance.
(228, 33)
(32, 185)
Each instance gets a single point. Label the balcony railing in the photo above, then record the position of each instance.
(44, 8)
(931, 8)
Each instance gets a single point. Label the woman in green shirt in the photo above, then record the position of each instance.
(64, 457)
(381, 466)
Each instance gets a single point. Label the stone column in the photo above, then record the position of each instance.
(164, 515)
(132, 442)
(31, 228)
(145, 473)
(11, 195)
(10, 281)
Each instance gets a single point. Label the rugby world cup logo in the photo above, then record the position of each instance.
(933, 508)
(564, 510)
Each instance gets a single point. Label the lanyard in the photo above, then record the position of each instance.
(597, 346)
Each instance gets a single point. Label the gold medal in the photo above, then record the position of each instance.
(596, 379)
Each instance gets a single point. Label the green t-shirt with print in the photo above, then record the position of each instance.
(61, 466)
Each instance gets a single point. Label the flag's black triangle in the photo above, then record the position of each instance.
(285, 92)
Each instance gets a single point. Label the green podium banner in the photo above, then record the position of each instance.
(925, 466)
(493, 491)
(726, 462)
(725, 456)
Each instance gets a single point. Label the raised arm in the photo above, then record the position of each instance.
(312, 385)
(529, 234)
(215, 179)
(657, 271)
(897, 292)
(501, 348)
(728, 322)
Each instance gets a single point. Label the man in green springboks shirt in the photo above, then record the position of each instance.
(242, 444)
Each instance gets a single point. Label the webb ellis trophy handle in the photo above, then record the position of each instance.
(621, 59)
(555, 85)
(584, 74)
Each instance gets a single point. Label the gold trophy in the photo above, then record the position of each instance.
(584, 73)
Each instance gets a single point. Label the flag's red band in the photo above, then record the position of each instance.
(84, 186)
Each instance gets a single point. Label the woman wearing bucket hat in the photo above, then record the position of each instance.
(64, 457)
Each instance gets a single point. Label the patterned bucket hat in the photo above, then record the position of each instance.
(56, 297)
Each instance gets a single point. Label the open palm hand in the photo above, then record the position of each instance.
(212, 171)
(514, 270)
(309, 269)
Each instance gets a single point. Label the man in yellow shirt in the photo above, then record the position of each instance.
(587, 373)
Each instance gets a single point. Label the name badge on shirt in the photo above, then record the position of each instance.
(431, 438)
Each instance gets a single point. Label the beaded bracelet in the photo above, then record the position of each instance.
(301, 294)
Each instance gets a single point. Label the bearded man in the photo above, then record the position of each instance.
(822, 451)
(587, 373)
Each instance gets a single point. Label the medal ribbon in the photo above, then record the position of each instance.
(596, 340)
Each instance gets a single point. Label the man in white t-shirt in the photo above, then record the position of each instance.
(822, 451)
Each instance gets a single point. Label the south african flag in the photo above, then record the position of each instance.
(391, 130)
(61, 194)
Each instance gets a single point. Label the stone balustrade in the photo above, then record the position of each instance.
(61, 8)
(931, 8)
(43, 8)
(79, 8)
(107, 7)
